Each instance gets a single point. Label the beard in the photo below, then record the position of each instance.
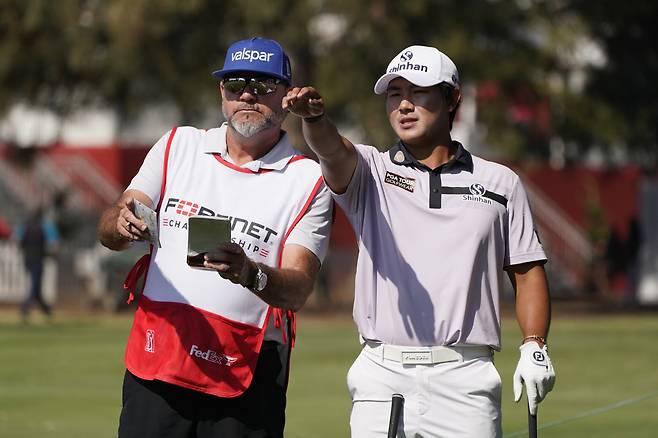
(249, 126)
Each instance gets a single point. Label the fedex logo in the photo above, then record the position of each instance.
(251, 56)
(212, 356)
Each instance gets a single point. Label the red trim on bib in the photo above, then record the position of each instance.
(165, 166)
(139, 269)
(278, 313)
(237, 168)
(231, 165)
(299, 217)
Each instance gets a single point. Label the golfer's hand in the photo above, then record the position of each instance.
(231, 263)
(536, 372)
(303, 102)
(129, 226)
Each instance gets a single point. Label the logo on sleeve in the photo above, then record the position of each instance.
(409, 184)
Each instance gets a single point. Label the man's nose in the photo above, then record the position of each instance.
(406, 105)
(248, 95)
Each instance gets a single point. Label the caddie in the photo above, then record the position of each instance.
(209, 348)
(436, 226)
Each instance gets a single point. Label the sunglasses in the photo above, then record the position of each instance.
(257, 86)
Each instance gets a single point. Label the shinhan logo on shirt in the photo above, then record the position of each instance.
(213, 356)
(477, 189)
(478, 193)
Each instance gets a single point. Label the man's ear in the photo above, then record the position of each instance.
(455, 98)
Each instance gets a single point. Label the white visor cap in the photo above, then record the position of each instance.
(421, 65)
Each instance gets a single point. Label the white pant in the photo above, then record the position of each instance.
(450, 399)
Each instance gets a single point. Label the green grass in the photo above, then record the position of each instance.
(64, 380)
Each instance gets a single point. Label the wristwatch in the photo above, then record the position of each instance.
(260, 281)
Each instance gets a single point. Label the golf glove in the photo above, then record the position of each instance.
(536, 371)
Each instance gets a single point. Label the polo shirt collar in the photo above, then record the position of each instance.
(400, 155)
(276, 159)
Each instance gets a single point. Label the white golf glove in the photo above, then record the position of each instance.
(536, 371)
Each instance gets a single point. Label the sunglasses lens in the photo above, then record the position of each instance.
(260, 87)
(235, 85)
(257, 86)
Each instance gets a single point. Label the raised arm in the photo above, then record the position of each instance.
(118, 226)
(336, 154)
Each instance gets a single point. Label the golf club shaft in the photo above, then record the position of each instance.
(532, 425)
(396, 410)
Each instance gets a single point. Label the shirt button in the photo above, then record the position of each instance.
(435, 190)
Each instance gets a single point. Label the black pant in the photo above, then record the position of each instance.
(35, 270)
(155, 409)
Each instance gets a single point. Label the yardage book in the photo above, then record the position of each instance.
(150, 218)
(203, 234)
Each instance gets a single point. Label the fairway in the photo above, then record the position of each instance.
(64, 379)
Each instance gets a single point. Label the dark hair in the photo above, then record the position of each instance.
(447, 90)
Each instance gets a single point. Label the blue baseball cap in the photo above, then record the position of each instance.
(257, 55)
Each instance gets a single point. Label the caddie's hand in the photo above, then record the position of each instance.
(303, 102)
(535, 370)
(231, 263)
(129, 226)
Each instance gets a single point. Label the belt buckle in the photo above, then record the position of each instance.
(418, 357)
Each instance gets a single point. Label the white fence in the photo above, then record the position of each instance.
(647, 292)
(14, 279)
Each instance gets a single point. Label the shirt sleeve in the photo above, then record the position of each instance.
(352, 200)
(523, 243)
(312, 231)
(149, 177)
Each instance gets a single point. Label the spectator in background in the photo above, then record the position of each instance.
(615, 264)
(38, 239)
(633, 246)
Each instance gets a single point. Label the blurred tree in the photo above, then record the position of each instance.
(622, 90)
(523, 56)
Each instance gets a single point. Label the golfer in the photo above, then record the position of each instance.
(436, 229)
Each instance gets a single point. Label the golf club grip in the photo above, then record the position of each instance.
(532, 425)
(396, 410)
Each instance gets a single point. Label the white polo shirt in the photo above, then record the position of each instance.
(433, 245)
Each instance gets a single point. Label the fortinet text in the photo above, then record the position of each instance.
(250, 228)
